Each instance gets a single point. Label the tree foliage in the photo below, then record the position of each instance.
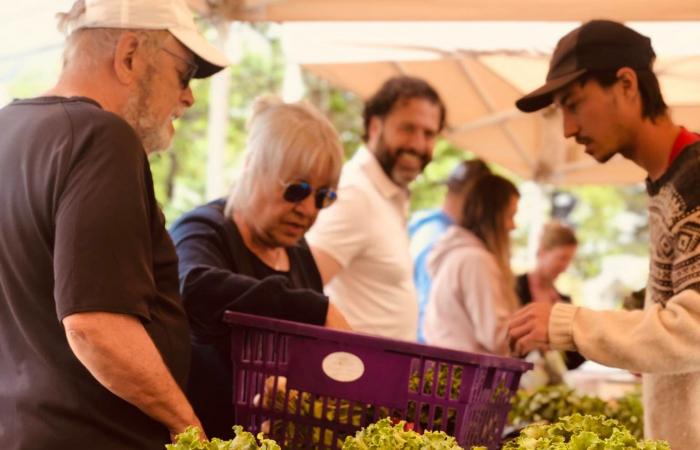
(609, 220)
(180, 174)
(343, 108)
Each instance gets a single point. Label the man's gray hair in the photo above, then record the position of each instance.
(87, 46)
(286, 142)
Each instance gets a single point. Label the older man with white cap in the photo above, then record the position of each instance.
(93, 337)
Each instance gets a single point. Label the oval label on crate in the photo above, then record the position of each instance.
(343, 366)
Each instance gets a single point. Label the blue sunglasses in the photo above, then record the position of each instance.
(297, 191)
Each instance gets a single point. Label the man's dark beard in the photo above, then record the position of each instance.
(388, 161)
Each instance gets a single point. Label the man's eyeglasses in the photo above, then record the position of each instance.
(297, 191)
(187, 75)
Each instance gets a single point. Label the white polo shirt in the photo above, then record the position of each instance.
(365, 231)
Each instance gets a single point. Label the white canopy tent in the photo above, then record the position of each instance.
(384, 10)
(479, 67)
(481, 84)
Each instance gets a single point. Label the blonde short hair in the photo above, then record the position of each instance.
(556, 234)
(285, 140)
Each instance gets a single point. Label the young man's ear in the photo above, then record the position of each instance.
(125, 61)
(627, 78)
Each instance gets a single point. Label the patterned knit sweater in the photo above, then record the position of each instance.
(663, 341)
(674, 225)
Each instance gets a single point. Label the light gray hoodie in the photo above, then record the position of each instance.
(470, 301)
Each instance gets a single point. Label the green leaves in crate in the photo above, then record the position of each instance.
(303, 404)
(429, 380)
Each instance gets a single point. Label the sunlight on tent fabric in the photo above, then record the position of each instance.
(289, 10)
(480, 69)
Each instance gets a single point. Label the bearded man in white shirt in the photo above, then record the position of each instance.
(361, 244)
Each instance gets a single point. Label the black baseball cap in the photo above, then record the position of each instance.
(595, 45)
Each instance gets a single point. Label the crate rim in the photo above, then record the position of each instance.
(367, 340)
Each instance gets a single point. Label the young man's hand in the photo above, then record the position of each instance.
(529, 328)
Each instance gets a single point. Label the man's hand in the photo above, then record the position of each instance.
(335, 319)
(529, 328)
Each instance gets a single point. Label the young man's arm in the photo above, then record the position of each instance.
(118, 352)
(659, 339)
(656, 340)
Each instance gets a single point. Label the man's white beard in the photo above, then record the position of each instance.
(154, 136)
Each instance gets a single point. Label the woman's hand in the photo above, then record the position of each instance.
(336, 320)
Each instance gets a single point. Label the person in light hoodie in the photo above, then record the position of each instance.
(473, 291)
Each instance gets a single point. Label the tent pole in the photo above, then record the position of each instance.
(218, 123)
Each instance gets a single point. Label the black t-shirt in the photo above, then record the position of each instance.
(218, 272)
(80, 231)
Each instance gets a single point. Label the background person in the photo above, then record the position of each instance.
(247, 253)
(426, 227)
(473, 296)
(93, 336)
(555, 251)
(361, 244)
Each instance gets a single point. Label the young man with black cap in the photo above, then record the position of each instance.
(601, 77)
(94, 341)
(426, 227)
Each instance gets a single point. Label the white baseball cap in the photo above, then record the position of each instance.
(172, 15)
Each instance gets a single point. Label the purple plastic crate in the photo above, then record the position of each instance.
(308, 387)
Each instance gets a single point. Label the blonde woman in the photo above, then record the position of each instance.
(472, 296)
(556, 249)
(247, 253)
(555, 252)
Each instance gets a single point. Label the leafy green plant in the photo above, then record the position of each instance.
(189, 440)
(387, 435)
(549, 403)
(628, 410)
(580, 432)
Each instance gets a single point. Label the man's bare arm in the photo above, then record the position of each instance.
(119, 353)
